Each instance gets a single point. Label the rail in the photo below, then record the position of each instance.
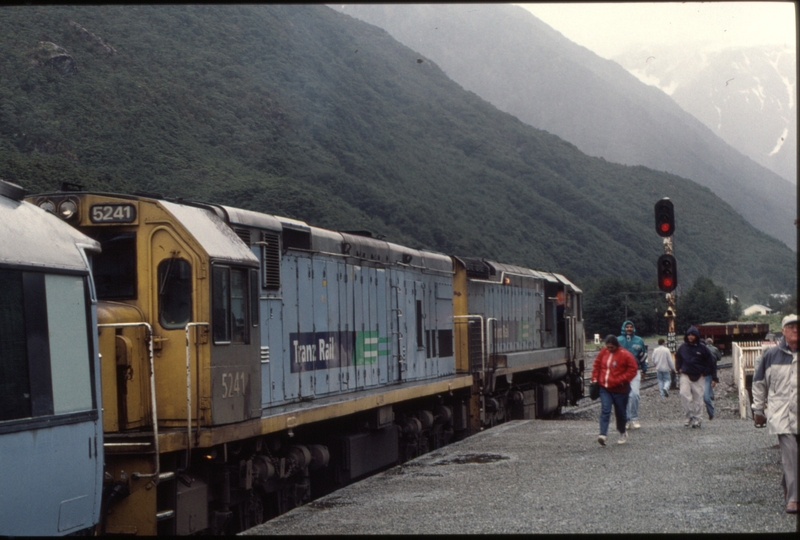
(154, 414)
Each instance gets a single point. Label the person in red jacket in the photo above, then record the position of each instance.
(613, 369)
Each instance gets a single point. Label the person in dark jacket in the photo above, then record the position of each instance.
(613, 369)
(693, 362)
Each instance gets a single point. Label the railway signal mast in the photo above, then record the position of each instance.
(666, 265)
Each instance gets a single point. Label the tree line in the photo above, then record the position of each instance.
(609, 301)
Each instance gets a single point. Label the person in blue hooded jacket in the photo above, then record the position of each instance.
(693, 361)
(634, 345)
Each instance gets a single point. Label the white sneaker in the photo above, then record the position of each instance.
(635, 425)
(628, 425)
(686, 424)
(602, 440)
(623, 438)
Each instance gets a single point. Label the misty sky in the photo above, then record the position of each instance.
(607, 29)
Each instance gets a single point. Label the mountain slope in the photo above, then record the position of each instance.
(512, 59)
(746, 96)
(304, 112)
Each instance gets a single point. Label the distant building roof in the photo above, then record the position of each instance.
(757, 308)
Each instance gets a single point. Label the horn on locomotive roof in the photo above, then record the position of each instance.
(12, 190)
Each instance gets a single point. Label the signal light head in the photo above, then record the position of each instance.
(667, 273)
(665, 217)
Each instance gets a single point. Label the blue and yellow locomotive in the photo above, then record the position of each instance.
(251, 362)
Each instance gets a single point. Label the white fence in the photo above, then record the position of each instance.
(745, 355)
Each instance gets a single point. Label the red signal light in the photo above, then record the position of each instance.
(667, 273)
(665, 217)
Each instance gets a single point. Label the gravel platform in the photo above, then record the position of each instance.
(551, 476)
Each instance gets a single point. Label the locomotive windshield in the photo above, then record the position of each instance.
(114, 269)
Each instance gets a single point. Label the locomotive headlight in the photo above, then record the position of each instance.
(48, 205)
(67, 209)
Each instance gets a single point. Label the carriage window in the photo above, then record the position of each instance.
(114, 269)
(15, 388)
(174, 293)
(45, 345)
(230, 299)
(69, 344)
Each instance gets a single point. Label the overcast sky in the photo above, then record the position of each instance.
(607, 28)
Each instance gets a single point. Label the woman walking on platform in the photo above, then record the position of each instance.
(613, 369)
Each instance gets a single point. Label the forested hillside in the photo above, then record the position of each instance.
(304, 112)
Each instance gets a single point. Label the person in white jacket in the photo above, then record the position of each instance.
(775, 403)
(662, 360)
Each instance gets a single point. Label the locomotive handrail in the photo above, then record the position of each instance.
(152, 393)
(491, 345)
(189, 393)
(483, 340)
(569, 330)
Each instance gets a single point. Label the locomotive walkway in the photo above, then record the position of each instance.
(551, 476)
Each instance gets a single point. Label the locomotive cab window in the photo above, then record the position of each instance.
(114, 269)
(174, 293)
(231, 301)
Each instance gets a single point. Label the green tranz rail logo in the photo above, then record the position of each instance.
(310, 351)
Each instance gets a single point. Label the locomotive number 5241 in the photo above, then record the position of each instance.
(112, 213)
(232, 384)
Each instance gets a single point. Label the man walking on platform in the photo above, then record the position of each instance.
(775, 391)
(662, 361)
(634, 345)
(693, 362)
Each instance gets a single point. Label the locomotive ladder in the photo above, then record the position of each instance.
(154, 420)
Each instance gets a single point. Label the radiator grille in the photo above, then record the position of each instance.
(271, 260)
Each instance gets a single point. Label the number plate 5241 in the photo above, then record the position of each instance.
(112, 213)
